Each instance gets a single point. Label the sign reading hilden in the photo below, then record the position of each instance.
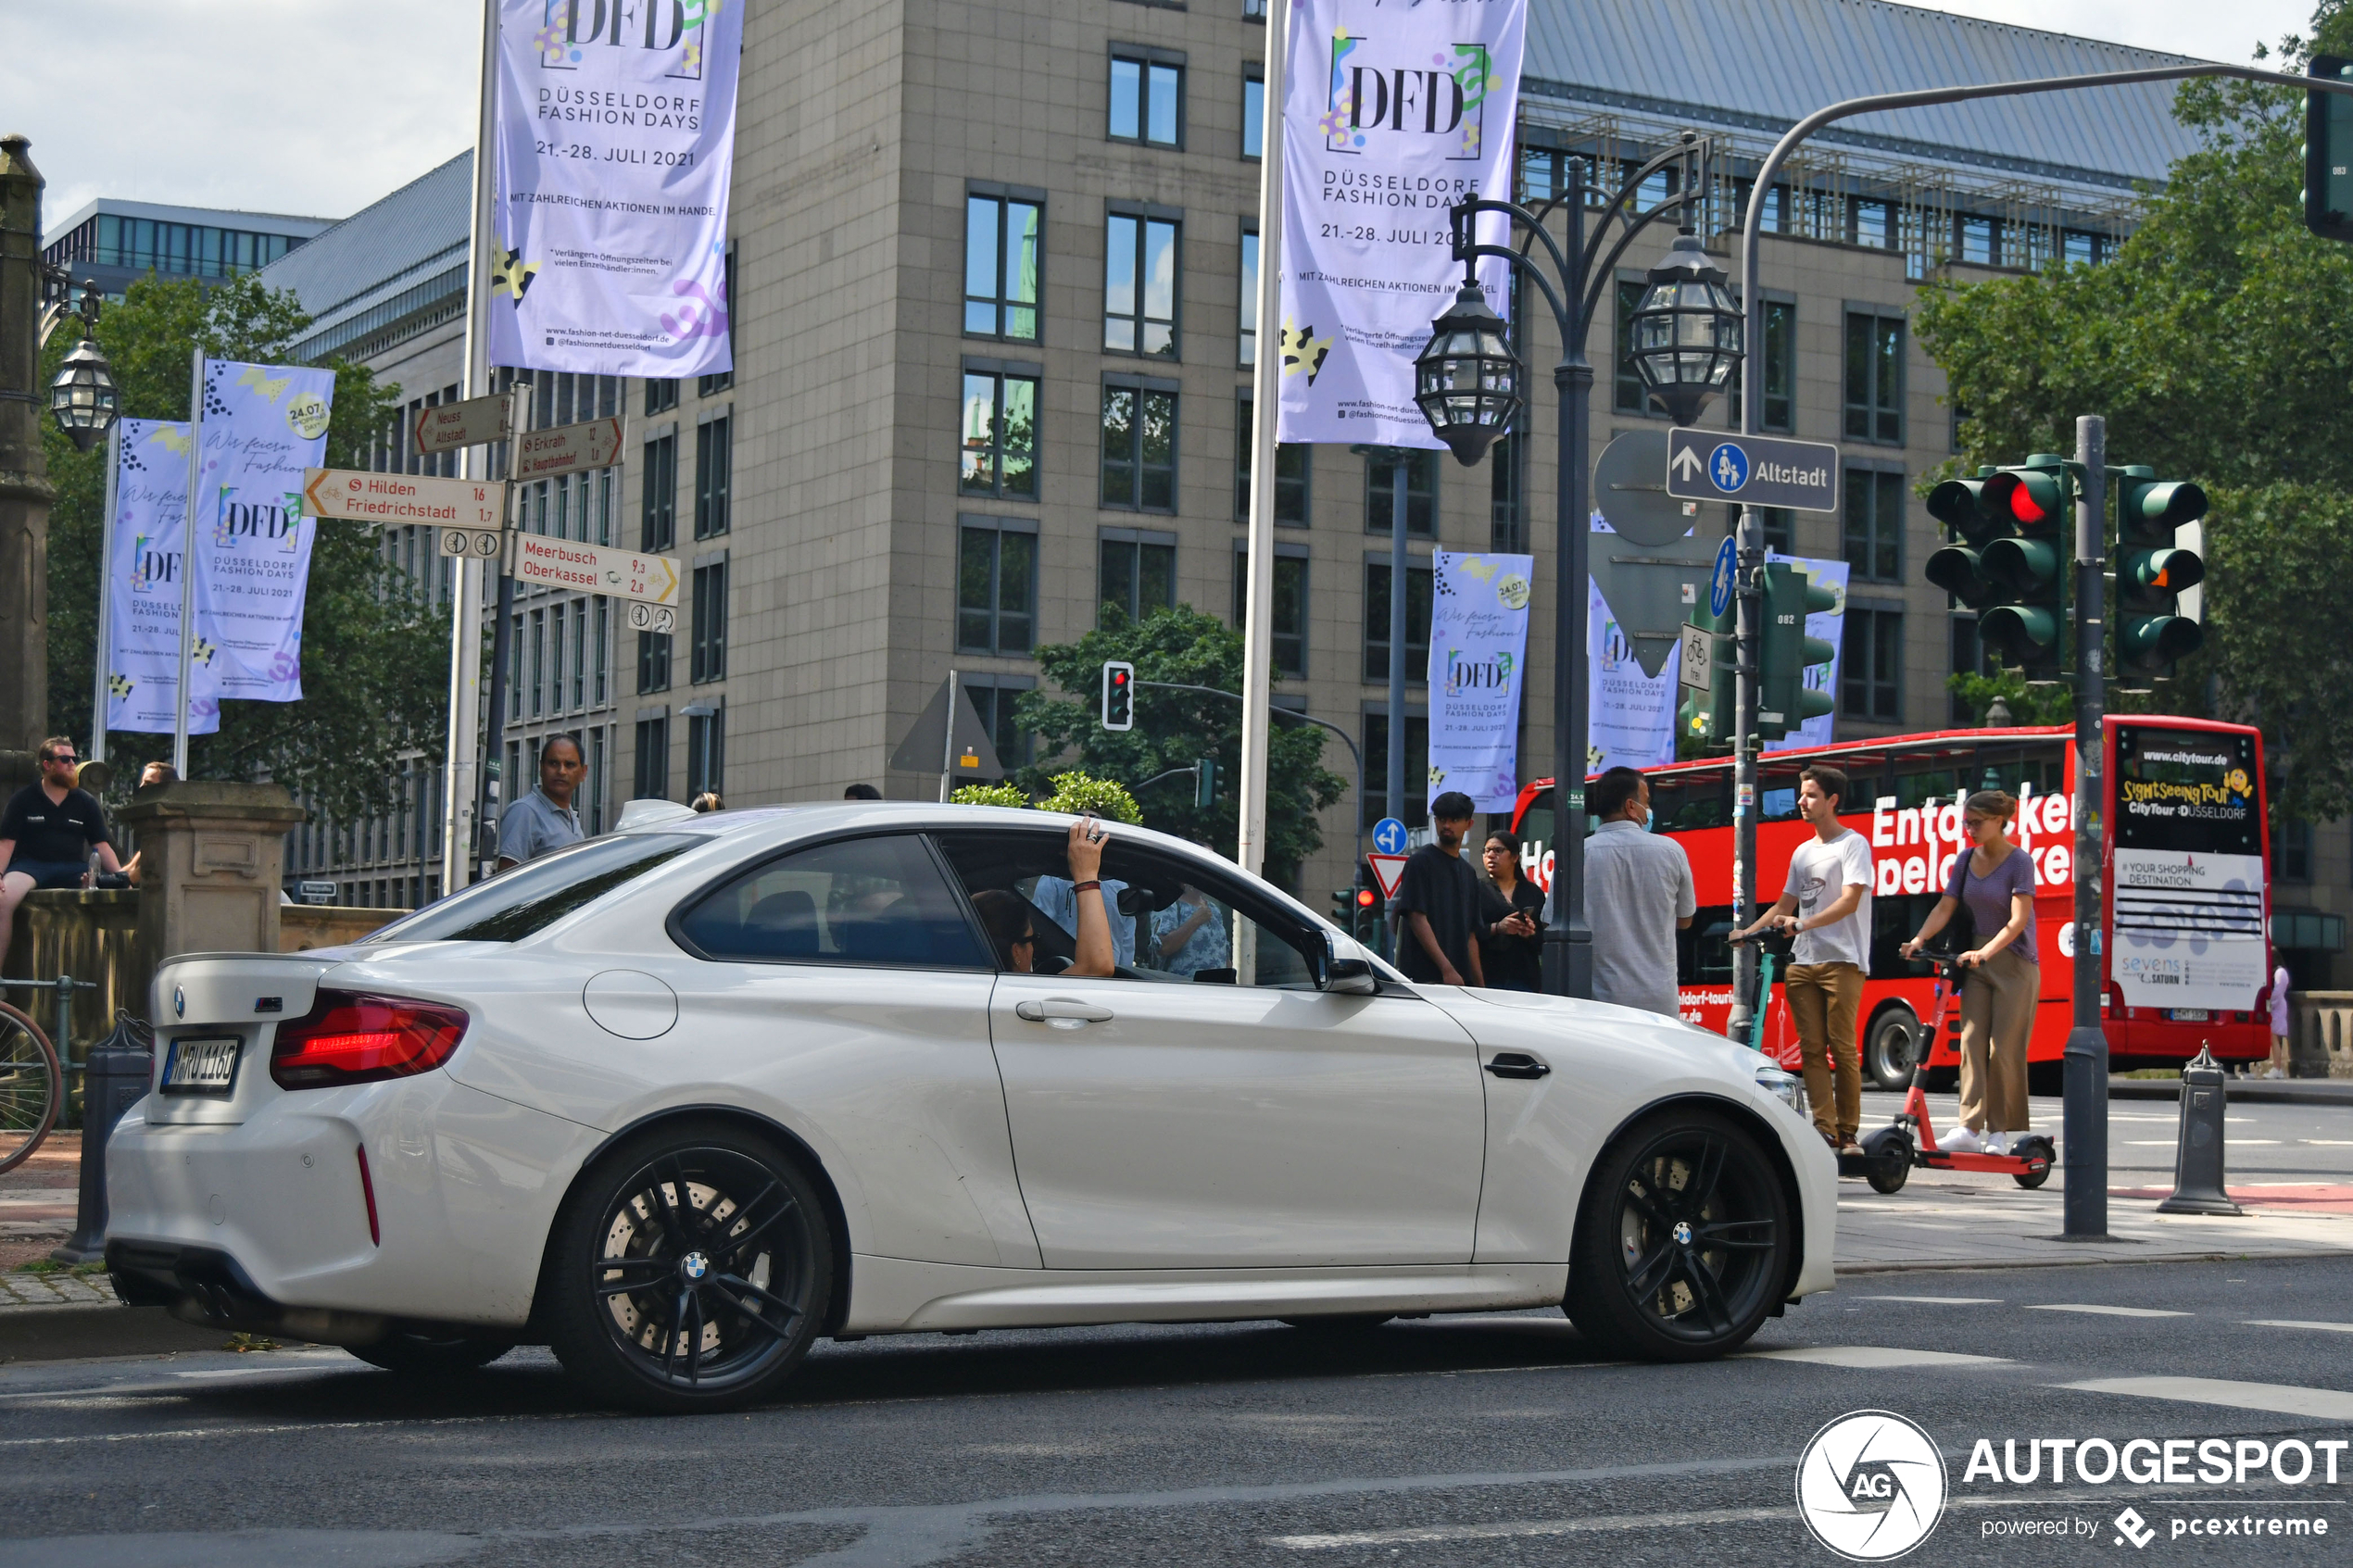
(1756, 470)
(352, 496)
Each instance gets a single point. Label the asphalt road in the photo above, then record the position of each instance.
(1452, 1441)
(2264, 1139)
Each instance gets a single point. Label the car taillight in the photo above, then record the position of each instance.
(347, 1038)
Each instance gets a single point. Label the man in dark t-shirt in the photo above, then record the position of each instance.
(1436, 903)
(47, 833)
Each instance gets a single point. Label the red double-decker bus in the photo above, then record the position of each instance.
(2187, 916)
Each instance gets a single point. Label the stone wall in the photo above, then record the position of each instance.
(2320, 1036)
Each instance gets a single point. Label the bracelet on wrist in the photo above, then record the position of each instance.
(1090, 886)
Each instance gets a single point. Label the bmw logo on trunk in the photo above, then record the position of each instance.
(178, 1002)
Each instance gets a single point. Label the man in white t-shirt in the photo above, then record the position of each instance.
(1826, 903)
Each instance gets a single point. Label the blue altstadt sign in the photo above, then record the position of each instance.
(1756, 470)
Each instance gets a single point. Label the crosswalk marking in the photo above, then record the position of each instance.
(2107, 1312)
(1520, 1529)
(2298, 1323)
(2279, 1399)
(1869, 1356)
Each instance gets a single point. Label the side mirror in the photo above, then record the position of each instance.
(1346, 974)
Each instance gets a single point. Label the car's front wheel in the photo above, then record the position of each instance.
(1684, 1242)
(690, 1270)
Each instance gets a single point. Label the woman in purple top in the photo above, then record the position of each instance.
(1996, 881)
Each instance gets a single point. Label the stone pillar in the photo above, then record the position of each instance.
(25, 491)
(211, 858)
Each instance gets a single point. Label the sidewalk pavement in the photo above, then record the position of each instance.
(2255, 1091)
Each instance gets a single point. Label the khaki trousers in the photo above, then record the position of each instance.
(1823, 1001)
(1997, 1015)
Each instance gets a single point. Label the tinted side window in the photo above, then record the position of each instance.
(858, 901)
(524, 901)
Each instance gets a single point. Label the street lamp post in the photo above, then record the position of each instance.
(1469, 384)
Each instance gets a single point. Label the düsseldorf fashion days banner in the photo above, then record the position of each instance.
(260, 426)
(144, 563)
(616, 130)
(1392, 113)
(1478, 655)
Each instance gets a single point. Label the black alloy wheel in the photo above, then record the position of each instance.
(426, 1355)
(1895, 1043)
(690, 1271)
(1685, 1241)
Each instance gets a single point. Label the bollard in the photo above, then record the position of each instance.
(2198, 1159)
(114, 1079)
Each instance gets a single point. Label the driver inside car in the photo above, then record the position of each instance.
(1012, 922)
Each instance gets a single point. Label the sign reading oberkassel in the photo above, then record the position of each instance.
(1754, 470)
(594, 568)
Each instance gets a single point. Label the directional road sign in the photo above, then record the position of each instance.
(448, 426)
(1388, 836)
(351, 496)
(1721, 580)
(540, 454)
(1699, 659)
(1388, 871)
(1758, 470)
(594, 568)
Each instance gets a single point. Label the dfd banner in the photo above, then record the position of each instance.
(1478, 652)
(1630, 716)
(260, 426)
(616, 130)
(1392, 113)
(144, 563)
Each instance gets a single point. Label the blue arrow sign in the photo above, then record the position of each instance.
(1758, 470)
(1719, 580)
(1388, 836)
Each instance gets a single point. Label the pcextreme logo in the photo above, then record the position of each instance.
(1871, 1485)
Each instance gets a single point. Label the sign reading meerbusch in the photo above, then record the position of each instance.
(1391, 115)
(616, 135)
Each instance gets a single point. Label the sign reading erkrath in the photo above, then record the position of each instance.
(616, 127)
(1391, 114)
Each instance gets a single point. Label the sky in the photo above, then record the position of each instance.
(317, 109)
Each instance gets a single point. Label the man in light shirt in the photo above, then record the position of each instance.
(1826, 905)
(1638, 895)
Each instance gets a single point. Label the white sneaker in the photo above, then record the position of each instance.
(1960, 1140)
(1997, 1143)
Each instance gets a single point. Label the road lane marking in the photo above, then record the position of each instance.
(1868, 1357)
(2297, 1322)
(2107, 1312)
(2279, 1399)
(1940, 1300)
(1521, 1529)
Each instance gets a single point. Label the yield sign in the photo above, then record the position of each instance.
(1388, 872)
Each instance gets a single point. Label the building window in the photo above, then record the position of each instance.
(1293, 463)
(1137, 573)
(719, 381)
(1627, 395)
(1001, 435)
(996, 705)
(661, 394)
(1871, 664)
(1873, 224)
(714, 465)
(1781, 369)
(1421, 494)
(705, 749)
(660, 529)
(1140, 283)
(653, 758)
(1139, 445)
(1003, 244)
(708, 656)
(599, 682)
(1981, 239)
(1290, 605)
(1418, 582)
(1414, 810)
(653, 662)
(1247, 353)
(1146, 97)
(1875, 378)
(1874, 534)
(1253, 116)
(592, 816)
(2292, 852)
(996, 587)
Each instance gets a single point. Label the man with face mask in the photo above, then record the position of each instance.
(1638, 894)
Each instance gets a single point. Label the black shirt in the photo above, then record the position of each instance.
(1445, 889)
(49, 832)
(1512, 963)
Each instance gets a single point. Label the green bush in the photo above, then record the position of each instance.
(990, 795)
(1076, 793)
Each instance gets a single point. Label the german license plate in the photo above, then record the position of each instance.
(2189, 1015)
(202, 1065)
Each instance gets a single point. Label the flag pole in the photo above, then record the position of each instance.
(1266, 383)
(105, 593)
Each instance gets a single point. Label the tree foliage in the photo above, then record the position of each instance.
(2213, 345)
(374, 661)
(1174, 729)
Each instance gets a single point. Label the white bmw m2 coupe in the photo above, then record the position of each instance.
(679, 1101)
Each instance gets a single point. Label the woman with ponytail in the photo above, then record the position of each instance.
(2002, 978)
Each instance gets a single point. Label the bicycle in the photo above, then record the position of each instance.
(32, 1079)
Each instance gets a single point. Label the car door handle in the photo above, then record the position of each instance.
(1062, 1008)
(1516, 1064)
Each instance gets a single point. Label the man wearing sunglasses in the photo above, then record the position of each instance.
(47, 833)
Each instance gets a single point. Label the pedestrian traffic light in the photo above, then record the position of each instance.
(2152, 572)
(1119, 695)
(1959, 567)
(1784, 652)
(1708, 716)
(2328, 153)
(2027, 568)
(1206, 783)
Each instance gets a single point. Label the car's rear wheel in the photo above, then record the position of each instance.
(1685, 1241)
(689, 1271)
(422, 1355)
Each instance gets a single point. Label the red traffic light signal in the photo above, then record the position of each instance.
(1119, 695)
(1366, 898)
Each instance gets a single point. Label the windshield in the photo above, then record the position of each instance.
(531, 898)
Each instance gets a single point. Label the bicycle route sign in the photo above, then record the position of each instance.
(1756, 470)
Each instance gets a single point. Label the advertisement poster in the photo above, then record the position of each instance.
(1390, 114)
(260, 426)
(1478, 655)
(1630, 716)
(616, 128)
(1824, 625)
(2188, 871)
(143, 580)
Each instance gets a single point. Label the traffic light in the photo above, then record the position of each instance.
(2152, 572)
(1785, 651)
(2328, 153)
(2027, 568)
(1709, 715)
(1351, 907)
(1959, 567)
(1119, 695)
(1206, 783)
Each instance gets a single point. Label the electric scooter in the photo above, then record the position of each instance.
(1890, 1152)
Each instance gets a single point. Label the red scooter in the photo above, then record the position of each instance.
(1890, 1152)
